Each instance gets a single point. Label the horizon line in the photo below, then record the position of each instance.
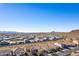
(35, 31)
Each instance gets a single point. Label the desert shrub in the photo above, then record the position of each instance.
(26, 54)
(34, 52)
(43, 53)
(19, 52)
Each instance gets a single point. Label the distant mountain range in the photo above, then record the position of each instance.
(8, 32)
(14, 32)
(75, 30)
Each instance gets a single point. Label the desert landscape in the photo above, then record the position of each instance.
(39, 29)
(40, 44)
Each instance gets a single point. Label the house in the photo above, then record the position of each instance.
(25, 40)
(45, 38)
(51, 38)
(56, 38)
(36, 39)
(20, 42)
(31, 41)
(41, 40)
(12, 42)
(4, 43)
(6, 37)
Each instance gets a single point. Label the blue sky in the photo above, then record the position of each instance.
(39, 17)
